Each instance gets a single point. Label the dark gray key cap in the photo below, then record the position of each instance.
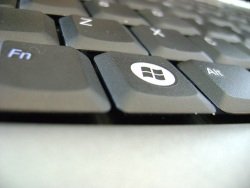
(213, 31)
(222, 52)
(114, 11)
(205, 13)
(98, 35)
(27, 26)
(208, 6)
(162, 20)
(237, 19)
(143, 84)
(222, 22)
(43, 78)
(244, 27)
(207, 10)
(55, 7)
(244, 49)
(188, 15)
(246, 38)
(167, 4)
(110, 1)
(169, 44)
(140, 4)
(184, 5)
(227, 86)
(8, 3)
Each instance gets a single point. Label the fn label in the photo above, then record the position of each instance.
(19, 54)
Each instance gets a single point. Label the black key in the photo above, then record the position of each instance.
(246, 38)
(208, 6)
(169, 44)
(167, 4)
(188, 15)
(162, 20)
(245, 27)
(222, 22)
(114, 11)
(98, 35)
(227, 86)
(237, 19)
(27, 26)
(212, 31)
(55, 7)
(208, 10)
(43, 78)
(140, 4)
(222, 52)
(205, 13)
(109, 1)
(143, 84)
(8, 3)
(244, 49)
(184, 5)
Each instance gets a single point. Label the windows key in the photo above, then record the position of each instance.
(143, 84)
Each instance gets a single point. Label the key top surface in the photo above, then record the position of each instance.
(55, 7)
(114, 11)
(43, 78)
(27, 26)
(185, 14)
(208, 10)
(223, 52)
(169, 44)
(216, 32)
(227, 86)
(8, 3)
(142, 84)
(238, 19)
(246, 38)
(245, 27)
(222, 22)
(159, 19)
(140, 4)
(98, 35)
(184, 5)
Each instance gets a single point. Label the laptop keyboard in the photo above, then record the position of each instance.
(124, 62)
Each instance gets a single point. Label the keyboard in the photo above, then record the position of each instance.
(124, 93)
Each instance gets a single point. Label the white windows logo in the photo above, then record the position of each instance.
(153, 74)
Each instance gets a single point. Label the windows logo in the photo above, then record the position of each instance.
(153, 74)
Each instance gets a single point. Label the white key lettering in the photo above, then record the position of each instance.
(210, 41)
(103, 4)
(215, 72)
(157, 12)
(86, 22)
(20, 54)
(157, 32)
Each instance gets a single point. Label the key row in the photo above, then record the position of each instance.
(90, 34)
(216, 28)
(126, 15)
(32, 79)
(185, 9)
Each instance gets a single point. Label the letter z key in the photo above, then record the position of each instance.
(98, 35)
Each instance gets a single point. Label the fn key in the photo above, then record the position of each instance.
(43, 78)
